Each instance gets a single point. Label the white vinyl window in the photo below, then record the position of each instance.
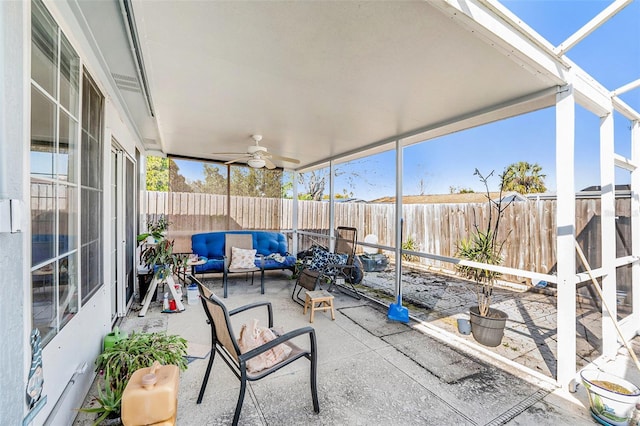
(56, 154)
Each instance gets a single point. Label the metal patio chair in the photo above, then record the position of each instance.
(346, 240)
(308, 279)
(312, 277)
(225, 343)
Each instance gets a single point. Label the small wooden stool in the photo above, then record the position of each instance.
(324, 301)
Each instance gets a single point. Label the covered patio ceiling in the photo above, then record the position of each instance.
(317, 79)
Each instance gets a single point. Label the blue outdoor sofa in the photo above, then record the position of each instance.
(271, 252)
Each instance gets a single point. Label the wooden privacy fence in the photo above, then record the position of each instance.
(528, 226)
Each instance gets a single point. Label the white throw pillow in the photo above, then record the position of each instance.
(242, 259)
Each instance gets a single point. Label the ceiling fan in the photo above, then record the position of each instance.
(257, 156)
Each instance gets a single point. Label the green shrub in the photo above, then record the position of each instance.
(120, 361)
(483, 246)
(410, 245)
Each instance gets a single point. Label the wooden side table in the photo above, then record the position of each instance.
(195, 262)
(319, 300)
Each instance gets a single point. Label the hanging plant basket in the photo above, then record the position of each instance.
(488, 330)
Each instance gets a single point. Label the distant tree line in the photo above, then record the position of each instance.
(521, 177)
(163, 174)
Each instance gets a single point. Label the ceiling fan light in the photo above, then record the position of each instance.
(256, 163)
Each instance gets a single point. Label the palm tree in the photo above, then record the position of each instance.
(523, 177)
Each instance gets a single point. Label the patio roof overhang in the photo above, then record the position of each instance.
(331, 80)
(319, 80)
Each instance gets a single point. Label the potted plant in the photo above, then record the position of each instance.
(156, 231)
(118, 362)
(485, 246)
(159, 258)
(106, 405)
(157, 252)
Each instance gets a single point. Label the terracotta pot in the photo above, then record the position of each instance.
(488, 330)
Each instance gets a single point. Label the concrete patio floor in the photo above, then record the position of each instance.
(371, 371)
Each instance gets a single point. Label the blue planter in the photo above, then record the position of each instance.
(161, 271)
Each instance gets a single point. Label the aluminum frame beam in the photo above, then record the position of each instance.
(608, 232)
(635, 226)
(566, 231)
(591, 26)
(626, 88)
(399, 221)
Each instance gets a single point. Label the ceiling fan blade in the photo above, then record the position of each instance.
(229, 153)
(287, 159)
(235, 160)
(268, 163)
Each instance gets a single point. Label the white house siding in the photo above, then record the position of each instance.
(79, 342)
(14, 318)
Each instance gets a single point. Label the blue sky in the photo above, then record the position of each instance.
(611, 55)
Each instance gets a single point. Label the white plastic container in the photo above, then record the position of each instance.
(192, 294)
(165, 302)
(151, 396)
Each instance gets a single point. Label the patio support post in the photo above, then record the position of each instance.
(332, 208)
(608, 233)
(143, 195)
(635, 224)
(228, 215)
(398, 219)
(294, 214)
(565, 220)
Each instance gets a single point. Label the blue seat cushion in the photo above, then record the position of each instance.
(271, 245)
(212, 265)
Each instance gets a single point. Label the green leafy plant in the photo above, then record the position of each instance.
(140, 350)
(297, 268)
(156, 229)
(108, 401)
(411, 245)
(158, 255)
(484, 246)
(121, 360)
(480, 248)
(161, 258)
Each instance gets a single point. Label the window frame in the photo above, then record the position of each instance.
(56, 179)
